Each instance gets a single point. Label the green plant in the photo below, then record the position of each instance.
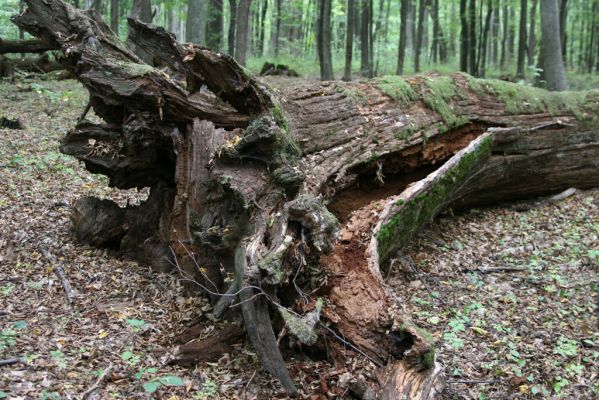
(137, 324)
(132, 359)
(566, 347)
(169, 380)
(209, 390)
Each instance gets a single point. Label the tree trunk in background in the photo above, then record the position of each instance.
(504, 49)
(403, 33)
(365, 32)
(495, 40)
(255, 184)
(349, 39)
(323, 38)
(195, 27)
(21, 31)
(472, 38)
(464, 36)
(232, 27)
(593, 32)
(563, 18)
(142, 10)
(114, 16)
(262, 27)
(436, 28)
(419, 35)
(214, 26)
(522, 40)
(242, 29)
(532, 36)
(482, 51)
(277, 33)
(553, 62)
(96, 4)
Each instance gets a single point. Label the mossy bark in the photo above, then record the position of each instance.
(305, 195)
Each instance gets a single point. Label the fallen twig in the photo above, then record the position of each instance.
(100, 380)
(473, 382)
(505, 268)
(10, 361)
(59, 271)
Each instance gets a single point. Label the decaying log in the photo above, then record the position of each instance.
(39, 65)
(304, 197)
(270, 69)
(24, 46)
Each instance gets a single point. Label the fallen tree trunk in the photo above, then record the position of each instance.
(39, 65)
(24, 46)
(304, 197)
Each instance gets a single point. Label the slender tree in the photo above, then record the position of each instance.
(419, 35)
(263, 12)
(482, 51)
(365, 38)
(553, 62)
(532, 38)
(214, 25)
(464, 36)
(114, 16)
(195, 29)
(563, 13)
(349, 39)
(522, 40)
(403, 32)
(232, 27)
(242, 30)
(472, 38)
(323, 30)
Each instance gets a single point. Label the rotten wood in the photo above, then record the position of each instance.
(207, 349)
(306, 196)
(59, 271)
(24, 46)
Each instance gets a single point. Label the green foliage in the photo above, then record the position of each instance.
(566, 347)
(169, 380)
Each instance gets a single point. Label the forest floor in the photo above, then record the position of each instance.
(508, 292)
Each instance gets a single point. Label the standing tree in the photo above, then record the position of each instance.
(532, 36)
(403, 32)
(522, 40)
(553, 62)
(242, 30)
(232, 27)
(419, 34)
(195, 31)
(365, 38)
(214, 26)
(472, 39)
(323, 39)
(464, 36)
(349, 40)
(114, 16)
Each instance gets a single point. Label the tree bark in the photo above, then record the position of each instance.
(349, 40)
(464, 36)
(232, 26)
(522, 40)
(305, 196)
(365, 36)
(242, 30)
(214, 27)
(24, 46)
(472, 38)
(323, 38)
(114, 16)
(553, 62)
(403, 32)
(195, 30)
(532, 38)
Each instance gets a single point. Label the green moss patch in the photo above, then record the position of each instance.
(414, 213)
(396, 88)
